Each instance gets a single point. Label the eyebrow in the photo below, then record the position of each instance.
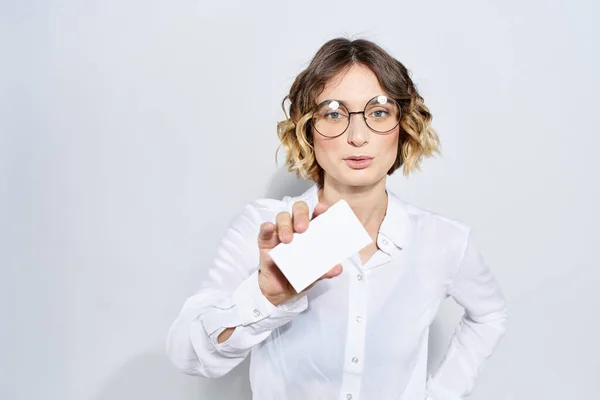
(344, 102)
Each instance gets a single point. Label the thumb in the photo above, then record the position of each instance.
(319, 209)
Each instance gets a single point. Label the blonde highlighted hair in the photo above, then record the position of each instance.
(417, 138)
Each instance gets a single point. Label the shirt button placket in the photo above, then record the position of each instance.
(355, 339)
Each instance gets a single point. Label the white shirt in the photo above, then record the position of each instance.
(360, 336)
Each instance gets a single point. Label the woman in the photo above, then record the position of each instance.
(361, 331)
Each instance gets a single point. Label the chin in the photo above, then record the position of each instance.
(359, 178)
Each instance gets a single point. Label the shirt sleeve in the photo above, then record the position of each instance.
(480, 329)
(229, 297)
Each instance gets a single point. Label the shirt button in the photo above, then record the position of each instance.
(354, 360)
(256, 313)
(358, 319)
(384, 241)
(349, 396)
(359, 277)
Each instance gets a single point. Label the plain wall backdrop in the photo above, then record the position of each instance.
(133, 131)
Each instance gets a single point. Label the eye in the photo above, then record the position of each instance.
(333, 115)
(380, 113)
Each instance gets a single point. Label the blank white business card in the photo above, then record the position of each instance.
(330, 238)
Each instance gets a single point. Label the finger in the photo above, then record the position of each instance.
(333, 272)
(267, 239)
(319, 209)
(300, 216)
(284, 227)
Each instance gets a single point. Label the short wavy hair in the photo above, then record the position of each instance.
(417, 138)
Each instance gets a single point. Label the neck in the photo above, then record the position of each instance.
(369, 203)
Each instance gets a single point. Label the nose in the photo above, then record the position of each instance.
(358, 131)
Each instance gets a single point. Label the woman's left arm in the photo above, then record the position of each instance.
(481, 327)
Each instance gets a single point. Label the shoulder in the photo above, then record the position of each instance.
(432, 228)
(428, 218)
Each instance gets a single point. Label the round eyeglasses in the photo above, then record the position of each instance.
(331, 118)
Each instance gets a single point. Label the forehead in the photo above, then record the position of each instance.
(354, 86)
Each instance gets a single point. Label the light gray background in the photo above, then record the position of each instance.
(133, 131)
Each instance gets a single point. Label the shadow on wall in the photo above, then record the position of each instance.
(151, 376)
(283, 183)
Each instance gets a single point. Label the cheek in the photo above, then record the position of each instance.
(389, 146)
(327, 149)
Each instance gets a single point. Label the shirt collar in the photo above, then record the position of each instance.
(396, 222)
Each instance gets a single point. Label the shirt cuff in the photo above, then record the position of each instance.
(254, 308)
(249, 310)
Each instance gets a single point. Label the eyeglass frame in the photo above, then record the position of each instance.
(350, 113)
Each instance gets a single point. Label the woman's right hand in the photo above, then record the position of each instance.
(273, 284)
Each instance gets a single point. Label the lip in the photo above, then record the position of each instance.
(358, 162)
